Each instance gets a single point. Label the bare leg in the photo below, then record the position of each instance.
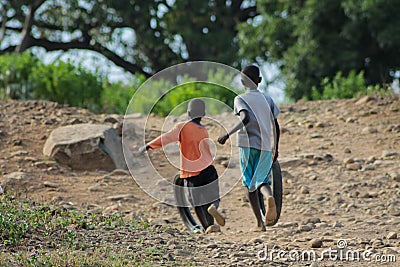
(270, 215)
(204, 217)
(255, 205)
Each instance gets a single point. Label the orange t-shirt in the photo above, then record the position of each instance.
(193, 143)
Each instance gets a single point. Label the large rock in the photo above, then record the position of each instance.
(86, 147)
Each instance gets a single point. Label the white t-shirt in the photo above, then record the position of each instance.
(257, 133)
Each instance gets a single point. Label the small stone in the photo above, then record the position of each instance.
(228, 164)
(314, 220)
(315, 136)
(74, 121)
(388, 154)
(50, 184)
(364, 100)
(15, 178)
(395, 176)
(369, 130)
(212, 246)
(95, 188)
(316, 243)
(121, 197)
(338, 224)
(321, 125)
(392, 235)
(111, 119)
(348, 160)
(119, 172)
(353, 166)
(305, 190)
(347, 150)
(256, 241)
(305, 228)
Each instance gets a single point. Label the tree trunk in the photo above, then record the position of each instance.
(26, 30)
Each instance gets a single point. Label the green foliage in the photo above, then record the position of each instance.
(142, 36)
(24, 76)
(340, 87)
(162, 97)
(65, 83)
(15, 75)
(33, 234)
(116, 96)
(175, 101)
(312, 39)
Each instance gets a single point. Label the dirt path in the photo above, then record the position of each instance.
(341, 171)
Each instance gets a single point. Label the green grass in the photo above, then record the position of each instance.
(42, 235)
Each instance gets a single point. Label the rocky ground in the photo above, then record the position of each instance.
(341, 172)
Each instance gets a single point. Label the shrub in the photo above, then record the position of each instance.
(65, 83)
(340, 87)
(15, 75)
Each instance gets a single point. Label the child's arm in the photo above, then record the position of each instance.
(162, 140)
(244, 119)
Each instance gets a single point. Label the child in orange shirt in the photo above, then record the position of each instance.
(196, 164)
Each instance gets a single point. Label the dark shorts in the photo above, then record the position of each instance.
(203, 188)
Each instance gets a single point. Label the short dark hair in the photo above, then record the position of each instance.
(196, 108)
(252, 72)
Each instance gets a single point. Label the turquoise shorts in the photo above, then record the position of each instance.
(256, 167)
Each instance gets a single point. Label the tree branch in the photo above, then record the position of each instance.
(27, 28)
(3, 26)
(116, 59)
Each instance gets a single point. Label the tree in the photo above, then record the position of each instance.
(312, 39)
(142, 36)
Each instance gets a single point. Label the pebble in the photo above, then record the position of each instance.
(305, 189)
(388, 154)
(338, 224)
(50, 184)
(305, 228)
(347, 150)
(395, 175)
(228, 164)
(369, 130)
(316, 243)
(256, 241)
(121, 197)
(95, 188)
(392, 235)
(353, 166)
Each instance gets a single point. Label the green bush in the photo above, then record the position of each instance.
(15, 75)
(24, 76)
(175, 101)
(340, 87)
(116, 96)
(65, 83)
(154, 97)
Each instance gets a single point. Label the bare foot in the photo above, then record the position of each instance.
(259, 229)
(270, 216)
(217, 216)
(213, 229)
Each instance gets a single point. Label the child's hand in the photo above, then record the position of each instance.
(143, 149)
(222, 139)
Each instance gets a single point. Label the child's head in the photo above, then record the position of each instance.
(196, 108)
(251, 77)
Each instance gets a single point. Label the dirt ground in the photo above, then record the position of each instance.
(340, 162)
